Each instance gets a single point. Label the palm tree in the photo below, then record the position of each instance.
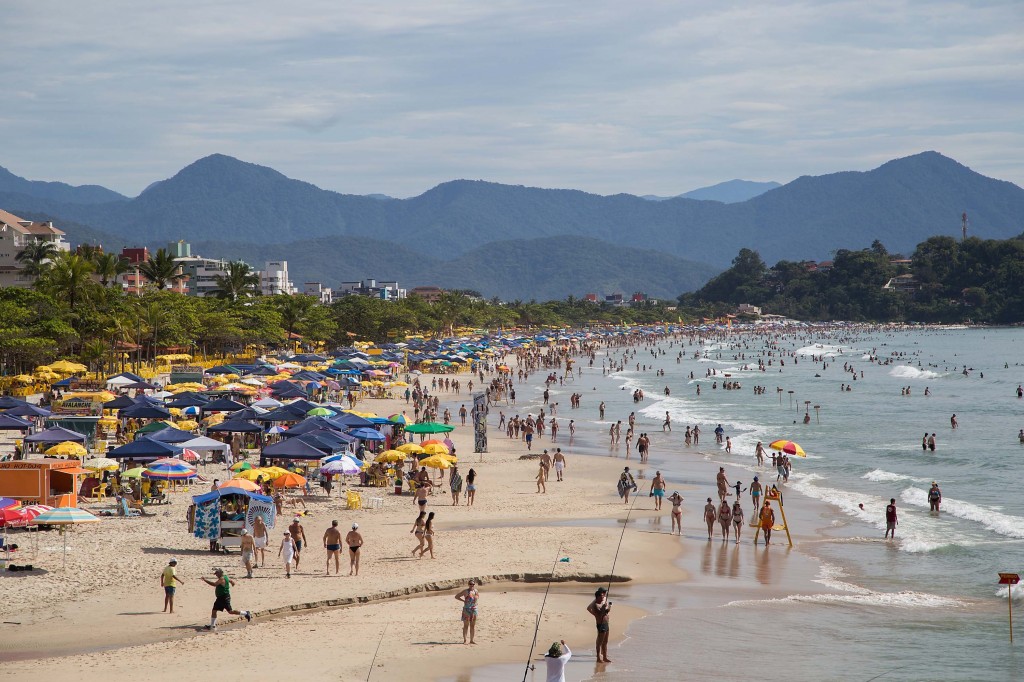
(161, 269)
(36, 257)
(238, 281)
(293, 310)
(68, 277)
(109, 266)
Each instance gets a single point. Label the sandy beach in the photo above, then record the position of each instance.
(100, 616)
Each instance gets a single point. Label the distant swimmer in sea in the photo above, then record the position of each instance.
(934, 497)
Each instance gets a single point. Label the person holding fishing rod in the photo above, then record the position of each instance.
(599, 609)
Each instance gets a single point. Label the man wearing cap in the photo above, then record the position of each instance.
(222, 590)
(248, 548)
(299, 536)
(169, 580)
(599, 609)
(556, 658)
(354, 541)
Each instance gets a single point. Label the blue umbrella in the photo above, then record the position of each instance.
(366, 434)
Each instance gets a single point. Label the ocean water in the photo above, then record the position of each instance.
(924, 607)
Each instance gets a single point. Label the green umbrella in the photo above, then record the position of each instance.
(133, 473)
(429, 427)
(320, 412)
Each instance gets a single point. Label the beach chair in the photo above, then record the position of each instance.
(128, 511)
(353, 500)
(99, 492)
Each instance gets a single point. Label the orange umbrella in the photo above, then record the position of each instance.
(289, 480)
(240, 483)
(789, 447)
(432, 441)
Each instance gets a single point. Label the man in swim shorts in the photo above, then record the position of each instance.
(890, 518)
(599, 609)
(169, 580)
(299, 536)
(222, 591)
(755, 494)
(247, 546)
(658, 490)
(332, 543)
(559, 459)
(354, 541)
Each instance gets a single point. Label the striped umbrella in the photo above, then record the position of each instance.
(189, 455)
(789, 447)
(169, 470)
(64, 516)
(344, 465)
(101, 463)
(398, 419)
(9, 502)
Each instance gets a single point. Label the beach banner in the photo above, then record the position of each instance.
(207, 525)
(480, 422)
(266, 510)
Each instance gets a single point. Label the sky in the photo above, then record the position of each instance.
(396, 96)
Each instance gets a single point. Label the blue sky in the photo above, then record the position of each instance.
(645, 97)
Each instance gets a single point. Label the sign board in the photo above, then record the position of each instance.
(84, 407)
(1009, 578)
(392, 334)
(181, 374)
(375, 351)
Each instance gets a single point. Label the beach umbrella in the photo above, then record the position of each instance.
(171, 469)
(366, 434)
(320, 412)
(391, 456)
(274, 472)
(410, 449)
(342, 465)
(245, 485)
(189, 455)
(252, 474)
(188, 425)
(67, 449)
(398, 419)
(436, 463)
(65, 367)
(100, 464)
(241, 466)
(64, 516)
(190, 411)
(429, 427)
(432, 441)
(435, 449)
(289, 480)
(788, 447)
(133, 473)
(9, 503)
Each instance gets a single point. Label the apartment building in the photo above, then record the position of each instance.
(17, 233)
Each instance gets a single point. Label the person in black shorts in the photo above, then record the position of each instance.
(222, 590)
(599, 609)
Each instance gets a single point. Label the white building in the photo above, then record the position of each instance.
(318, 291)
(274, 279)
(371, 288)
(15, 235)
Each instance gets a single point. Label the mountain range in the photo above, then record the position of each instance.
(524, 242)
(728, 192)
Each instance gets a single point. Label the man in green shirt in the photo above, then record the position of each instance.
(222, 591)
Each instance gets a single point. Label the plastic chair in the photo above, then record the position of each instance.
(99, 492)
(353, 500)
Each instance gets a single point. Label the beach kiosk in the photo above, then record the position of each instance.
(221, 515)
(53, 482)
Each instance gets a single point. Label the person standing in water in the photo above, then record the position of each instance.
(934, 497)
(891, 519)
(658, 490)
(677, 512)
(710, 515)
(737, 518)
(767, 523)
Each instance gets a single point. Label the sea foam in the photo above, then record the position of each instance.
(909, 372)
(1003, 524)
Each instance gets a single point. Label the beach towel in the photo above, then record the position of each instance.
(266, 510)
(207, 521)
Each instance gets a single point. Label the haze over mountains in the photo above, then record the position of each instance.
(229, 208)
(728, 192)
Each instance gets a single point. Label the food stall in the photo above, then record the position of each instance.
(41, 481)
(221, 515)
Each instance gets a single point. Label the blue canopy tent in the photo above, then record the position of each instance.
(293, 448)
(324, 442)
(222, 405)
(7, 402)
(172, 435)
(55, 434)
(144, 448)
(311, 424)
(187, 400)
(289, 392)
(235, 426)
(145, 411)
(247, 413)
(346, 420)
(285, 413)
(28, 411)
(13, 423)
(118, 403)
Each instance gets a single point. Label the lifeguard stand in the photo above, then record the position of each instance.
(773, 495)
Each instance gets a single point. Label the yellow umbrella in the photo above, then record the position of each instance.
(188, 425)
(435, 449)
(100, 464)
(65, 367)
(69, 448)
(273, 472)
(391, 456)
(215, 418)
(24, 379)
(410, 449)
(252, 474)
(436, 463)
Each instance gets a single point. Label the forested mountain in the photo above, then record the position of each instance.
(56, 191)
(728, 192)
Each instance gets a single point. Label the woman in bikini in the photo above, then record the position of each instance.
(725, 519)
(737, 518)
(417, 528)
(428, 535)
(470, 487)
(541, 488)
(469, 597)
(677, 512)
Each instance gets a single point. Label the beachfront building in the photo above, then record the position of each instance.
(747, 309)
(318, 291)
(274, 279)
(17, 233)
(371, 288)
(428, 294)
(134, 282)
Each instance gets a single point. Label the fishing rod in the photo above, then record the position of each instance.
(540, 613)
(617, 548)
(375, 651)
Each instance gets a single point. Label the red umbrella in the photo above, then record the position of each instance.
(189, 455)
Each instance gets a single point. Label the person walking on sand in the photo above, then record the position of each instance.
(261, 537)
(470, 487)
(755, 494)
(247, 547)
(626, 485)
(658, 490)
(723, 484)
(737, 518)
(287, 549)
(677, 512)
(354, 540)
(559, 460)
(767, 523)
(332, 543)
(600, 609)
(541, 475)
(428, 535)
(470, 598)
(545, 463)
(417, 529)
(169, 580)
(725, 519)
(710, 515)
(222, 585)
(299, 536)
(891, 519)
(556, 659)
(455, 483)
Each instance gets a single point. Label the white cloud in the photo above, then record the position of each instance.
(647, 97)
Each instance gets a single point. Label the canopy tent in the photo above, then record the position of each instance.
(7, 402)
(282, 414)
(9, 423)
(324, 440)
(294, 448)
(222, 405)
(124, 378)
(347, 420)
(266, 403)
(204, 444)
(172, 435)
(247, 413)
(235, 426)
(429, 427)
(311, 424)
(145, 411)
(143, 448)
(55, 434)
(28, 411)
(118, 403)
(189, 399)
